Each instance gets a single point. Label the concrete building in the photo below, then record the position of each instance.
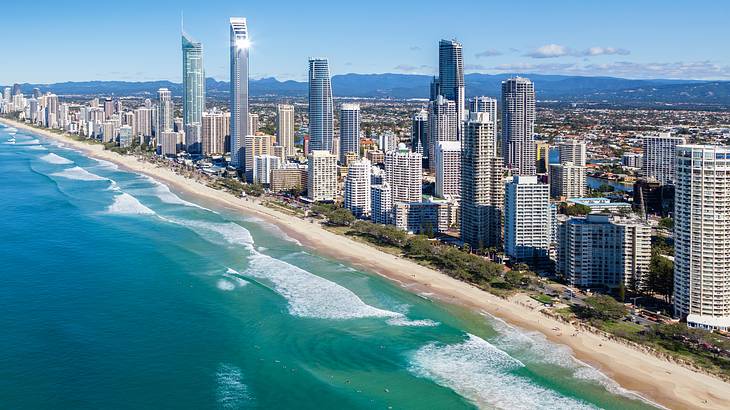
(125, 136)
(527, 220)
(659, 156)
(289, 177)
(572, 151)
(597, 251)
(701, 232)
(285, 128)
(632, 160)
(349, 130)
(321, 116)
(381, 200)
(419, 133)
(482, 188)
(167, 144)
(567, 180)
(448, 169)
(357, 188)
(600, 205)
(518, 125)
(403, 174)
(422, 217)
(322, 179)
(442, 125)
(165, 111)
(263, 166)
(256, 145)
(240, 44)
(542, 157)
(488, 105)
(216, 126)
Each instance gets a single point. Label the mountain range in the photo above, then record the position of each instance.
(549, 88)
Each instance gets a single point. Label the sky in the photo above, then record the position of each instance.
(54, 41)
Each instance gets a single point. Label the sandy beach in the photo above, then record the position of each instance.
(663, 382)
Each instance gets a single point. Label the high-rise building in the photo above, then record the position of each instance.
(193, 75)
(442, 125)
(51, 111)
(256, 145)
(321, 118)
(165, 111)
(419, 133)
(125, 136)
(659, 155)
(701, 231)
(632, 160)
(488, 105)
(143, 117)
(403, 174)
(451, 77)
(527, 220)
(240, 44)
(567, 180)
(322, 179)
(597, 251)
(263, 167)
(518, 125)
(216, 125)
(381, 199)
(108, 108)
(253, 123)
(482, 188)
(542, 157)
(167, 144)
(357, 188)
(285, 128)
(448, 169)
(572, 151)
(349, 130)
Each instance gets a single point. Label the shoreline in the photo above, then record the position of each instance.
(660, 381)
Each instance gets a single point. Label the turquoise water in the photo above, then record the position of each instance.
(118, 293)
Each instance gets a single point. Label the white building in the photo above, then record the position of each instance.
(701, 232)
(125, 136)
(442, 125)
(357, 188)
(168, 143)
(632, 160)
(322, 178)
(659, 156)
(349, 130)
(527, 219)
(518, 125)
(448, 169)
(572, 151)
(381, 199)
(428, 217)
(403, 173)
(263, 166)
(597, 251)
(567, 180)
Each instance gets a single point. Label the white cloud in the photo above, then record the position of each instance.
(603, 51)
(407, 68)
(549, 51)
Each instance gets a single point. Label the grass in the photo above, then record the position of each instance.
(543, 298)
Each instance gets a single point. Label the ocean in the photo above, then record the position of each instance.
(117, 292)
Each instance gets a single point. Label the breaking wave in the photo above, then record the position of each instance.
(78, 174)
(231, 392)
(56, 159)
(126, 204)
(482, 373)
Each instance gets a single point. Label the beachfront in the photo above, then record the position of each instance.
(666, 383)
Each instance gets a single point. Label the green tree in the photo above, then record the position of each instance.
(605, 307)
(661, 276)
(666, 223)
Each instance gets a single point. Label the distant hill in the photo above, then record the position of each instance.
(549, 87)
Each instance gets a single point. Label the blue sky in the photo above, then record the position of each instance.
(51, 41)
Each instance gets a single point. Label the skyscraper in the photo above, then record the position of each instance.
(349, 130)
(572, 151)
(659, 154)
(240, 44)
(448, 169)
(320, 106)
(701, 229)
(357, 188)
(526, 220)
(193, 76)
(567, 180)
(322, 179)
(482, 189)
(451, 77)
(165, 112)
(403, 174)
(419, 133)
(285, 128)
(518, 125)
(442, 125)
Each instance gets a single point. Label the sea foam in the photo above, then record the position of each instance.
(78, 174)
(126, 204)
(232, 280)
(28, 142)
(56, 159)
(482, 373)
(231, 392)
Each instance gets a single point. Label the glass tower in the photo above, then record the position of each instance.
(320, 105)
(240, 44)
(193, 91)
